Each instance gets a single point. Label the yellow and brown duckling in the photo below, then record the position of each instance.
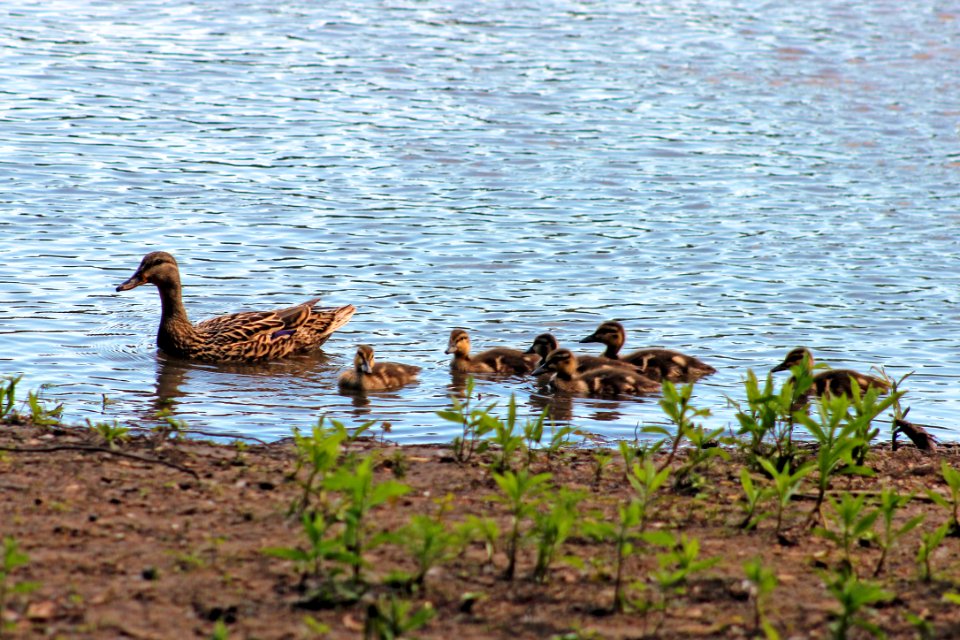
(368, 375)
(602, 381)
(497, 360)
(545, 344)
(659, 364)
(239, 337)
(832, 381)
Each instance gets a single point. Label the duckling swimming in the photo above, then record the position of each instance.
(497, 360)
(834, 381)
(545, 343)
(603, 381)
(662, 364)
(368, 375)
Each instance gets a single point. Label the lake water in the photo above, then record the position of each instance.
(730, 179)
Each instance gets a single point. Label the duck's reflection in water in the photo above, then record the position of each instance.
(179, 380)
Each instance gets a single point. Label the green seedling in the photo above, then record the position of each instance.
(389, 618)
(601, 460)
(952, 477)
(505, 437)
(360, 494)
(785, 484)
(552, 527)
(676, 565)
(625, 534)
(476, 424)
(755, 495)
(112, 434)
(220, 631)
(321, 550)
(40, 414)
(430, 541)
(852, 524)
(836, 440)
(676, 405)
(484, 529)
(317, 455)
(890, 503)
(316, 627)
(533, 435)
(10, 558)
(703, 448)
(866, 407)
(646, 480)
(854, 595)
(521, 493)
(560, 439)
(8, 391)
(762, 583)
(929, 542)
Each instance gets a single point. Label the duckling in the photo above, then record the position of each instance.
(604, 381)
(250, 336)
(833, 381)
(662, 364)
(368, 375)
(498, 360)
(545, 343)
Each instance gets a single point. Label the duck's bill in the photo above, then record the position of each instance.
(134, 281)
(590, 338)
(780, 367)
(539, 370)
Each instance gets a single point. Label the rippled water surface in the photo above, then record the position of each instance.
(730, 179)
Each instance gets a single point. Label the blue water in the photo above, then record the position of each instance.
(730, 179)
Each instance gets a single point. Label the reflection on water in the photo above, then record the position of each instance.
(730, 180)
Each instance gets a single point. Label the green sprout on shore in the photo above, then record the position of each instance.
(521, 493)
(851, 525)
(854, 596)
(952, 477)
(389, 618)
(552, 527)
(8, 397)
(10, 559)
(890, 503)
(112, 434)
(785, 484)
(762, 583)
(930, 541)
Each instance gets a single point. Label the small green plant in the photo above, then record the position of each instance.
(785, 484)
(762, 583)
(40, 414)
(646, 480)
(601, 460)
(505, 438)
(112, 434)
(890, 503)
(8, 391)
(929, 542)
(852, 525)
(389, 618)
(521, 493)
(676, 405)
(321, 549)
(430, 541)
(755, 495)
(476, 424)
(625, 535)
(836, 440)
(560, 439)
(220, 631)
(677, 564)
(318, 454)
(854, 595)
(486, 530)
(10, 558)
(360, 494)
(952, 477)
(552, 527)
(533, 435)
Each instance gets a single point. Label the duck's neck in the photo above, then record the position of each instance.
(612, 351)
(175, 328)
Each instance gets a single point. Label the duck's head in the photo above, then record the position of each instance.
(796, 357)
(559, 360)
(363, 361)
(543, 344)
(158, 268)
(611, 334)
(459, 343)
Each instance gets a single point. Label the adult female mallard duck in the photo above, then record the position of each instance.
(603, 381)
(545, 344)
(497, 360)
(239, 337)
(833, 381)
(661, 364)
(368, 375)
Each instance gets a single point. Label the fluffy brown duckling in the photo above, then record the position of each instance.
(545, 344)
(368, 375)
(603, 381)
(250, 336)
(660, 364)
(497, 360)
(833, 381)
